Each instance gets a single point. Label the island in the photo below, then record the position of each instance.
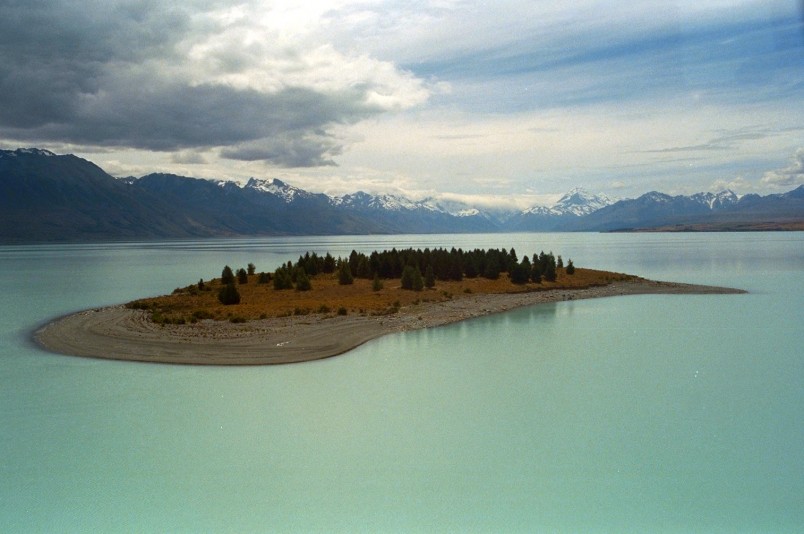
(321, 306)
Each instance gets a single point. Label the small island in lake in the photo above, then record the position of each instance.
(321, 306)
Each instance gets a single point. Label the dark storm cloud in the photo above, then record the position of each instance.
(288, 150)
(110, 74)
(180, 116)
(53, 53)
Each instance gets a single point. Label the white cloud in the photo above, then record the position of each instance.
(281, 48)
(790, 176)
(505, 99)
(738, 185)
(516, 202)
(253, 78)
(601, 148)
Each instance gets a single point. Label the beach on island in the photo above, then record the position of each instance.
(120, 333)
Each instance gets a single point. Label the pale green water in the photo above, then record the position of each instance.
(649, 413)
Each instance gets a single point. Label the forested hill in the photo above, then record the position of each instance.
(45, 197)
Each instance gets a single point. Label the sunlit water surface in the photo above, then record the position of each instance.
(644, 413)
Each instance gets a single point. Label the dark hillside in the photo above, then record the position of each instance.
(45, 197)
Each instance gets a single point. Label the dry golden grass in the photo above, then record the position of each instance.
(260, 301)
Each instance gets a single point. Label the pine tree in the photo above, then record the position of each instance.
(547, 265)
(455, 260)
(471, 268)
(520, 273)
(282, 279)
(412, 278)
(311, 264)
(536, 274)
(303, 281)
(377, 285)
(429, 277)
(570, 268)
(363, 267)
(407, 278)
(354, 260)
(418, 281)
(550, 272)
(345, 277)
(227, 276)
(251, 269)
(329, 264)
(492, 271)
(512, 258)
(228, 294)
(242, 276)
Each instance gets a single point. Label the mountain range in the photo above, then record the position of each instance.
(49, 197)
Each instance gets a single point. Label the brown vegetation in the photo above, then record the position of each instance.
(260, 301)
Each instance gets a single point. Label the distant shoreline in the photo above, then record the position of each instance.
(769, 226)
(119, 333)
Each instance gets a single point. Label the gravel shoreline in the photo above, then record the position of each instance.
(119, 333)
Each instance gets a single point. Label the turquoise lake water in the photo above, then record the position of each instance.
(631, 414)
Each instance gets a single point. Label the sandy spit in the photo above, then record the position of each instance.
(119, 333)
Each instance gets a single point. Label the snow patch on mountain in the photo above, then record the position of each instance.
(719, 200)
(276, 187)
(577, 201)
(362, 200)
(580, 202)
(451, 207)
(655, 196)
(26, 151)
(541, 210)
(469, 212)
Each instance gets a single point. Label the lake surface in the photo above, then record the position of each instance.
(630, 414)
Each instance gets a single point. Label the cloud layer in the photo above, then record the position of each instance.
(790, 176)
(154, 76)
(458, 97)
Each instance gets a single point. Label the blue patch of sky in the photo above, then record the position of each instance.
(737, 62)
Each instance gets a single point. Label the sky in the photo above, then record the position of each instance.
(511, 102)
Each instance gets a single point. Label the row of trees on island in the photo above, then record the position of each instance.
(416, 268)
(454, 264)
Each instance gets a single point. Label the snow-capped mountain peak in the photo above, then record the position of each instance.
(718, 200)
(397, 203)
(657, 197)
(365, 200)
(450, 207)
(580, 202)
(28, 151)
(577, 201)
(276, 187)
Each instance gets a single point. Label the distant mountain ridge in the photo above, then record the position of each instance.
(723, 210)
(50, 197)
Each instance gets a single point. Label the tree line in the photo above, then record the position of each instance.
(453, 264)
(416, 268)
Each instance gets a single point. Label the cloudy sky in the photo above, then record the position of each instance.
(513, 100)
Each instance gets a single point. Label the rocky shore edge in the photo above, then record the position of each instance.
(119, 333)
